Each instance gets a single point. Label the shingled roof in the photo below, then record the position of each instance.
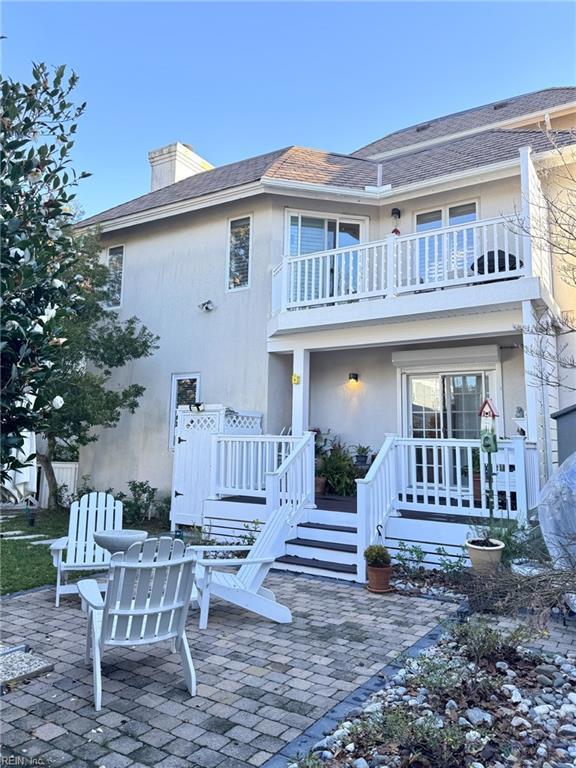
(476, 118)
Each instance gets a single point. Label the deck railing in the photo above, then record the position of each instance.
(240, 463)
(377, 495)
(450, 477)
(467, 254)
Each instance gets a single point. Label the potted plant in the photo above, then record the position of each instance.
(320, 443)
(485, 552)
(361, 454)
(378, 568)
(339, 470)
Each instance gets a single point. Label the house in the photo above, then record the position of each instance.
(381, 294)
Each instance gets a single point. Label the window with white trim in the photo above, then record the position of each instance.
(115, 262)
(239, 247)
(446, 217)
(185, 392)
(309, 233)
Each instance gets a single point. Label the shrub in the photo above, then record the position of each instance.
(481, 642)
(410, 558)
(421, 736)
(377, 556)
(337, 466)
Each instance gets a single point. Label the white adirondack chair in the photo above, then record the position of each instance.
(147, 601)
(244, 588)
(94, 512)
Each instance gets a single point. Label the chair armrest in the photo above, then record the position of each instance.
(90, 593)
(56, 549)
(233, 561)
(59, 544)
(219, 547)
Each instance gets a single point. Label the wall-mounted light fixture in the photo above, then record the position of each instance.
(353, 377)
(396, 213)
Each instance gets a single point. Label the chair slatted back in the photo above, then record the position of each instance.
(95, 511)
(269, 543)
(149, 591)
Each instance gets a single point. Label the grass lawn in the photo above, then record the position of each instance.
(23, 565)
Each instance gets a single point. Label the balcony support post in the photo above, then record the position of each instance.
(391, 260)
(300, 391)
(526, 170)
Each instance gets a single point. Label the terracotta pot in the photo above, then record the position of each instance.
(379, 578)
(319, 485)
(485, 559)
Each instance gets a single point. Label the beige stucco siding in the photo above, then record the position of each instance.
(366, 411)
(169, 269)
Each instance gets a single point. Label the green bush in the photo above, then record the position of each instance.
(337, 466)
(377, 556)
(481, 642)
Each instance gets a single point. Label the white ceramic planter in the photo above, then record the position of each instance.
(485, 559)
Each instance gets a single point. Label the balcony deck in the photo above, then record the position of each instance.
(415, 274)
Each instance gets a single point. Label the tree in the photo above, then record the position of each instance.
(98, 344)
(38, 124)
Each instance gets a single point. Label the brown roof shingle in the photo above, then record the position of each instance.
(478, 117)
(313, 166)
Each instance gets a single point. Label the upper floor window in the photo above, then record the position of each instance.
(446, 217)
(115, 262)
(309, 234)
(184, 393)
(239, 247)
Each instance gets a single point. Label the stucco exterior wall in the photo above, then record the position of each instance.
(364, 412)
(170, 268)
(173, 265)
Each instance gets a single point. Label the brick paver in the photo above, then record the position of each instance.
(260, 684)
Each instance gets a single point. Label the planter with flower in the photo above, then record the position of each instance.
(361, 454)
(378, 568)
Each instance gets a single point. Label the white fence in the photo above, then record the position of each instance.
(477, 252)
(240, 463)
(66, 474)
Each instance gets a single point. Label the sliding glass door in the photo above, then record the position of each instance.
(444, 406)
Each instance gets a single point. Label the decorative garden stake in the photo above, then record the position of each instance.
(489, 445)
(485, 553)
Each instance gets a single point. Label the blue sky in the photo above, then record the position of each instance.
(239, 79)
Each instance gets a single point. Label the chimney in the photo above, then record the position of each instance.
(174, 163)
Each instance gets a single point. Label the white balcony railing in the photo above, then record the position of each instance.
(478, 252)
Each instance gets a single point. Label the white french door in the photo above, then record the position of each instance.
(446, 405)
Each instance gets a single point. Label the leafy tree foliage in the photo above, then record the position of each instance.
(38, 124)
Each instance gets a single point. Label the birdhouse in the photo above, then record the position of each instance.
(488, 415)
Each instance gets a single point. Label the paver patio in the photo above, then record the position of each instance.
(260, 684)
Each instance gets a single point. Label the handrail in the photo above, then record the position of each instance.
(333, 251)
(292, 484)
(376, 499)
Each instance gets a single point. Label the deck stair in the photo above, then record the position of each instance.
(327, 543)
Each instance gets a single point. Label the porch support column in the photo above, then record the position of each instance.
(300, 391)
(531, 382)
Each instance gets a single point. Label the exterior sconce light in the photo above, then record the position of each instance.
(353, 377)
(396, 213)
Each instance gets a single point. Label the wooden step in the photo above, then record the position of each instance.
(317, 565)
(336, 503)
(314, 543)
(326, 527)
